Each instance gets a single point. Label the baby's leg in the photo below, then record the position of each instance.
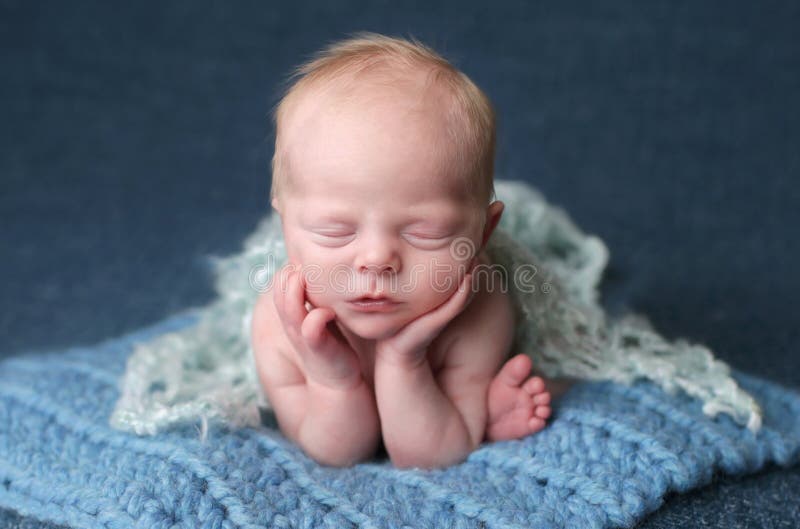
(518, 403)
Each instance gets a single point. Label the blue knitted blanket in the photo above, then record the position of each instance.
(609, 456)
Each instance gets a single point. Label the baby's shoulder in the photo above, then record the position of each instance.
(269, 342)
(263, 324)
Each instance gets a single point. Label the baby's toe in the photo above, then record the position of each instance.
(534, 385)
(543, 412)
(542, 399)
(535, 424)
(515, 370)
(524, 400)
(513, 425)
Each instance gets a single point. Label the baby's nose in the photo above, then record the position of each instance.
(378, 257)
(378, 269)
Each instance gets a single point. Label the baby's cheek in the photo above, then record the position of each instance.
(325, 287)
(442, 280)
(430, 291)
(318, 293)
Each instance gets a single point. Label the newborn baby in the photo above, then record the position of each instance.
(378, 329)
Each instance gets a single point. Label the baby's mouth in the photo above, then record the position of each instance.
(369, 297)
(373, 304)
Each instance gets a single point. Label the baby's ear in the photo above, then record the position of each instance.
(493, 214)
(275, 205)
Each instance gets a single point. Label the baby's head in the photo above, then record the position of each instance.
(383, 166)
(361, 73)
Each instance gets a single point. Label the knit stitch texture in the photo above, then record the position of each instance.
(609, 456)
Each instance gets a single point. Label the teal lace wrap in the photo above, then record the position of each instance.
(550, 267)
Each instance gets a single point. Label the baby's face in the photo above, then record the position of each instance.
(373, 211)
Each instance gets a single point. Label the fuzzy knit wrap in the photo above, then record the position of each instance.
(608, 457)
(551, 269)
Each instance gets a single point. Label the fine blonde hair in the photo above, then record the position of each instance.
(473, 125)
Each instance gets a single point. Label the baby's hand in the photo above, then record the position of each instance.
(408, 347)
(327, 357)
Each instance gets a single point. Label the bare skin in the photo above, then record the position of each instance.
(376, 193)
(298, 380)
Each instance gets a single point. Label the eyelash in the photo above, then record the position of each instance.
(338, 237)
(332, 238)
(426, 237)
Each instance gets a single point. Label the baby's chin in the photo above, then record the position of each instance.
(373, 326)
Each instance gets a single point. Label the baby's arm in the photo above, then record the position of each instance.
(334, 426)
(334, 420)
(423, 425)
(432, 420)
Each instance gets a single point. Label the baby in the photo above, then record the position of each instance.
(377, 330)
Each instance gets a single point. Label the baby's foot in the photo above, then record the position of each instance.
(518, 404)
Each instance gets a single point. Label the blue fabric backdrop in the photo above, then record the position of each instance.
(135, 141)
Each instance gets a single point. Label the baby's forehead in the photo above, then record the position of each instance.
(333, 120)
(416, 91)
(328, 120)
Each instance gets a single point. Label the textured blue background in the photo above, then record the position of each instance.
(136, 141)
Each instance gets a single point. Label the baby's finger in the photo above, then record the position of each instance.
(327, 360)
(314, 327)
(278, 287)
(424, 329)
(281, 297)
(456, 303)
(295, 305)
(470, 285)
(448, 310)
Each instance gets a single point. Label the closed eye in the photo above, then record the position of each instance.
(427, 239)
(333, 238)
(334, 234)
(425, 236)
